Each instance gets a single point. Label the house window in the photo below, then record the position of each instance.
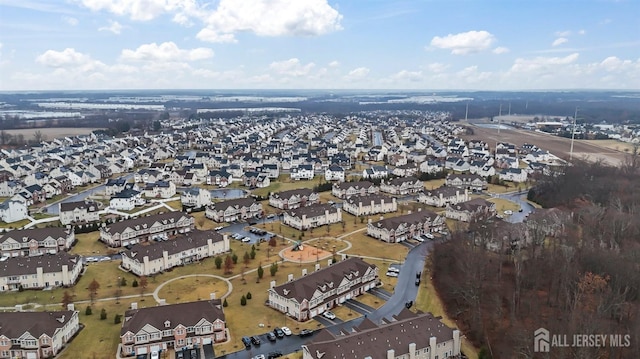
(190, 330)
(167, 333)
(180, 341)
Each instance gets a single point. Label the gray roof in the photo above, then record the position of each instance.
(366, 199)
(304, 287)
(182, 242)
(359, 184)
(313, 210)
(39, 234)
(373, 341)
(14, 324)
(91, 206)
(237, 203)
(300, 192)
(50, 263)
(186, 314)
(411, 218)
(118, 227)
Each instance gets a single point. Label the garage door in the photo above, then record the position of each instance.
(142, 350)
(206, 341)
(348, 296)
(341, 300)
(314, 313)
(31, 355)
(155, 348)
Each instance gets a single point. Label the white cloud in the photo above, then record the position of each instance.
(565, 33)
(270, 18)
(500, 50)
(542, 63)
(358, 73)
(70, 20)
(67, 57)
(142, 10)
(114, 27)
(334, 64)
(614, 64)
(464, 42)
(410, 76)
(472, 75)
(165, 52)
(437, 67)
(291, 67)
(582, 32)
(559, 41)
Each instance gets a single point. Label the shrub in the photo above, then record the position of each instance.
(243, 300)
(88, 311)
(117, 319)
(103, 314)
(248, 295)
(225, 304)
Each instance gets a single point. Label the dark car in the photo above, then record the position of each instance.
(255, 340)
(247, 342)
(274, 354)
(271, 337)
(278, 332)
(194, 354)
(418, 275)
(179, 355)
(408, 304)
(305, 332)
(417, 281)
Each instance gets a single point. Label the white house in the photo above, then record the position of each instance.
(195, 197)
(302, 172)
(513, 175)
(312, 216)
(334, 173)
(160, 189)
(369, 204)
(78, 212)
(126, 200)
(13, 211)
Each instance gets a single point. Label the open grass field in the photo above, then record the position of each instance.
(361, 244)
(559, 146)
(504, 205)
(191, 289)
(610, 144)
(51, 133)
(285, 183)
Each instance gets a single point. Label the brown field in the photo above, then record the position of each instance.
(559, 146)
(51, 133)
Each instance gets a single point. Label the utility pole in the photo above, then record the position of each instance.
(466, 113)
(573, 133)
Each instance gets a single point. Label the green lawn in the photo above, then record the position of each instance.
(14, 225)
(192, 289)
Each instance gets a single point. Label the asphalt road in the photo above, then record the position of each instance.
(519, 198)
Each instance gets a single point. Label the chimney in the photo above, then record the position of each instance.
(391, 354)
(134, 305)
(71, 307)
(317, 267)
(344, 256)
(212, 296)
(289, 277)
(412, 350)
(304, 272)
(272, 284)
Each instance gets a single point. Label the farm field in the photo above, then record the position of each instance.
(559, 146)
(51, 133)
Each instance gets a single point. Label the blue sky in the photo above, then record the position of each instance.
(319, 44)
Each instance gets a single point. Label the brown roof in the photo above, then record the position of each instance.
(39, 234)
(472, 205)
(186, 314)
(119, 227)
(366, 199)
(359, 184)
(91, 206)
(313, 210)
(301, 192)
(238, 202)
(411, 218)
(444, 191)
(15, 324)
(304, 287)
(465, 177)
(50, 263)
(182, 242)
(400, 180)
(373, 341)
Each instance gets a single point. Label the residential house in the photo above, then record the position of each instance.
(78, 212)
(314, 293)
(256, 180)
(219, 178)
(113, 186)
(406, 170)
(348, 189)
(402, 186)
(442, 196)
(9, 188)
(476, 208)
(35, 193)
(195, 197)
(369, 204)
(513, 174)
(36, 241)
(39, 272)
(36, 334)
(145, 259)
(234, 210)
(294, 198)
(398, 229)
(302, 172)
(148, 175)
(12, 210)
(272, 170)
(126, 200)
(312, 216)
(376, 172)
(468, 181)
(176, 326)
(407, 335)
(160, 189)
(334, 173)
(132, 231)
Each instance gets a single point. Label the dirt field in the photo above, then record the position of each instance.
(51, 133)
(308, 253)
(559, 146)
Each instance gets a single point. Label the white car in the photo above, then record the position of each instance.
(392, 274)
(286, 331)
(259, 356)
(329, 315)
(508, 212)
(393, 269)
(245, 240)
(418, 238)
(429, 235)
(155, 355)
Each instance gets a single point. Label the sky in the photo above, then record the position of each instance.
(319, 44)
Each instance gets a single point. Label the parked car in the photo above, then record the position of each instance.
(274, 354)
(418, 238)
(179, 355)
(194, 354)
(278, 332)
(305, 333)
(286, 331)
(508, 212)
(271, 337)
(417, 281)
(392, 274)
(259, 356)
(255, 340)
(155, 355)
(418, 275)
(408, 304)
(329, 315)
(247, 342)
(245, 240)
(429, 235)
